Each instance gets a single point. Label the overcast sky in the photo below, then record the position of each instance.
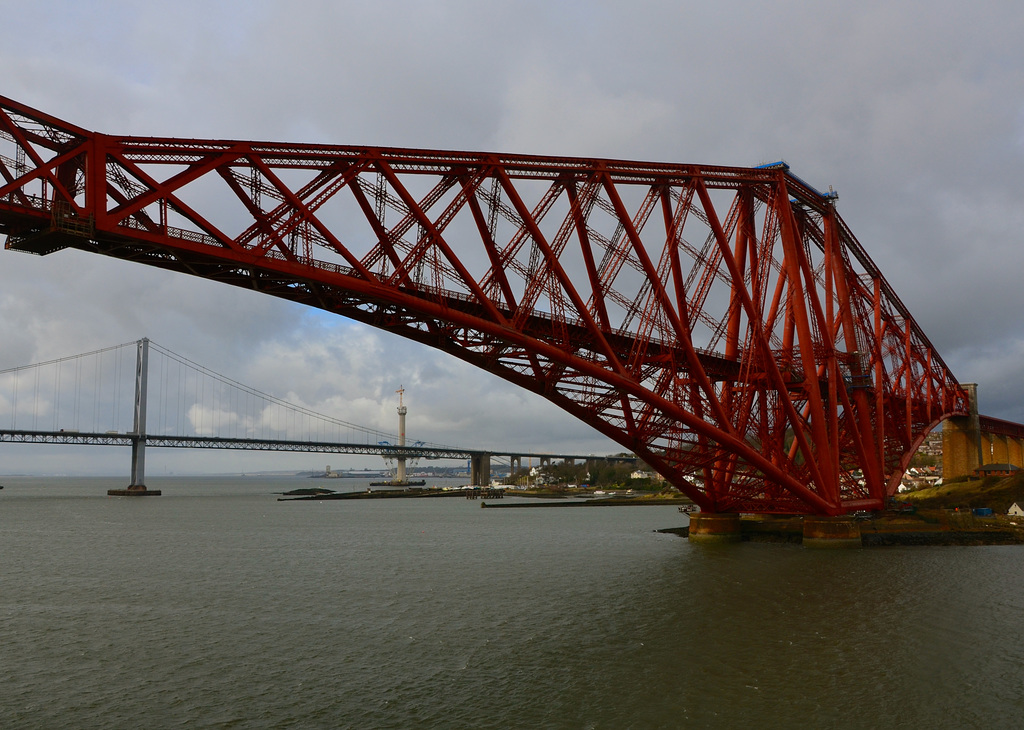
(913, 112)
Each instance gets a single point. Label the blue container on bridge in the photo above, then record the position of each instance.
(982, 511)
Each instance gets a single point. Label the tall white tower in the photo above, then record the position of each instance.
(402, 410)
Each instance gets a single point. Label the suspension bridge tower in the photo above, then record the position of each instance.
(138, 486)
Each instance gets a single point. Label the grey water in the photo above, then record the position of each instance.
(217, 606)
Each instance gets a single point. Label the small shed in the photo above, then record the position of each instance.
(996, 470)
(1016, 509)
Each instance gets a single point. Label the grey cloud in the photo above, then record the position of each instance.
(916, 118)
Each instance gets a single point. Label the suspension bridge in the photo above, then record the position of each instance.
(140, 394)
(722, 323)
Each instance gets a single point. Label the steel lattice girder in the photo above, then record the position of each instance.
(722, 323)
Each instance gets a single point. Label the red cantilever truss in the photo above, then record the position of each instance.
(723, 323)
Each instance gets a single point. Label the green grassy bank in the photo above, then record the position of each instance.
(995, 492)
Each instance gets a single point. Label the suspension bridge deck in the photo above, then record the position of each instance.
(193, 408)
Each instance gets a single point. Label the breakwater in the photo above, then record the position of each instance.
(624, 502)
(398, 494)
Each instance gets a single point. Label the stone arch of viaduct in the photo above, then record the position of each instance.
(973, 441)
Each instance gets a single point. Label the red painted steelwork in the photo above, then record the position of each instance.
(723, 323)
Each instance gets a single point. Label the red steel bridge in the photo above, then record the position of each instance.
(722, 323)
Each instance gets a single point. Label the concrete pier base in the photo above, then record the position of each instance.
(715, 528)
(135, 490)
(831, 532)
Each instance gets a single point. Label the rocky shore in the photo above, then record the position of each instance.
(886, 530)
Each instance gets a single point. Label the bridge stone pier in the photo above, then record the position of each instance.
(972, 441)
(480, 470)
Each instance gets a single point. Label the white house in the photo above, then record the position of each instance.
(1016, 509)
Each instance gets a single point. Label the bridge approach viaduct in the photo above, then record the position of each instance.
(973, 441)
